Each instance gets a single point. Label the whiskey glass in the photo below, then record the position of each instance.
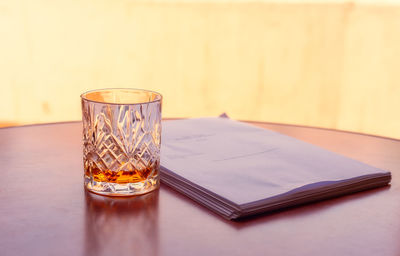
(121, 141)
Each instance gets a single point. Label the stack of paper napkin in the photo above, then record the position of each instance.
(236, 169)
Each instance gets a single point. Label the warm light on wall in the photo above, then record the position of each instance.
(328, 65)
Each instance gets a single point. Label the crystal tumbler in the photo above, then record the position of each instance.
(121, 141)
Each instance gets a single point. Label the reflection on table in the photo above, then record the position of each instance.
(117, 225)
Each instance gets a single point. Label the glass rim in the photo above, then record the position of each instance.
(158, 99)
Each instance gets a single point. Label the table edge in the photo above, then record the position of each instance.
(246, 121)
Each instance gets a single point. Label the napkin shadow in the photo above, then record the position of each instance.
(306, 209)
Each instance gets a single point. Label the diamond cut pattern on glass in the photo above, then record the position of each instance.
(121, 145)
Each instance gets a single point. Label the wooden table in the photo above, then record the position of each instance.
(44, 209)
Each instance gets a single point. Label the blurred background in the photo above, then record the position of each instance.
(331, 64)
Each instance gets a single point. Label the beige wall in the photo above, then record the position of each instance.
(330, 65)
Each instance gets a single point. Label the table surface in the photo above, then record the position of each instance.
(44, 209)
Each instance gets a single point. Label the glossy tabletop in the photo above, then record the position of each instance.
(44, 209)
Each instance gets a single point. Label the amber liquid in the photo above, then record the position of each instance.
(120, 177)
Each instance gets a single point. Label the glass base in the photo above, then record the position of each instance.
(127, 189)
